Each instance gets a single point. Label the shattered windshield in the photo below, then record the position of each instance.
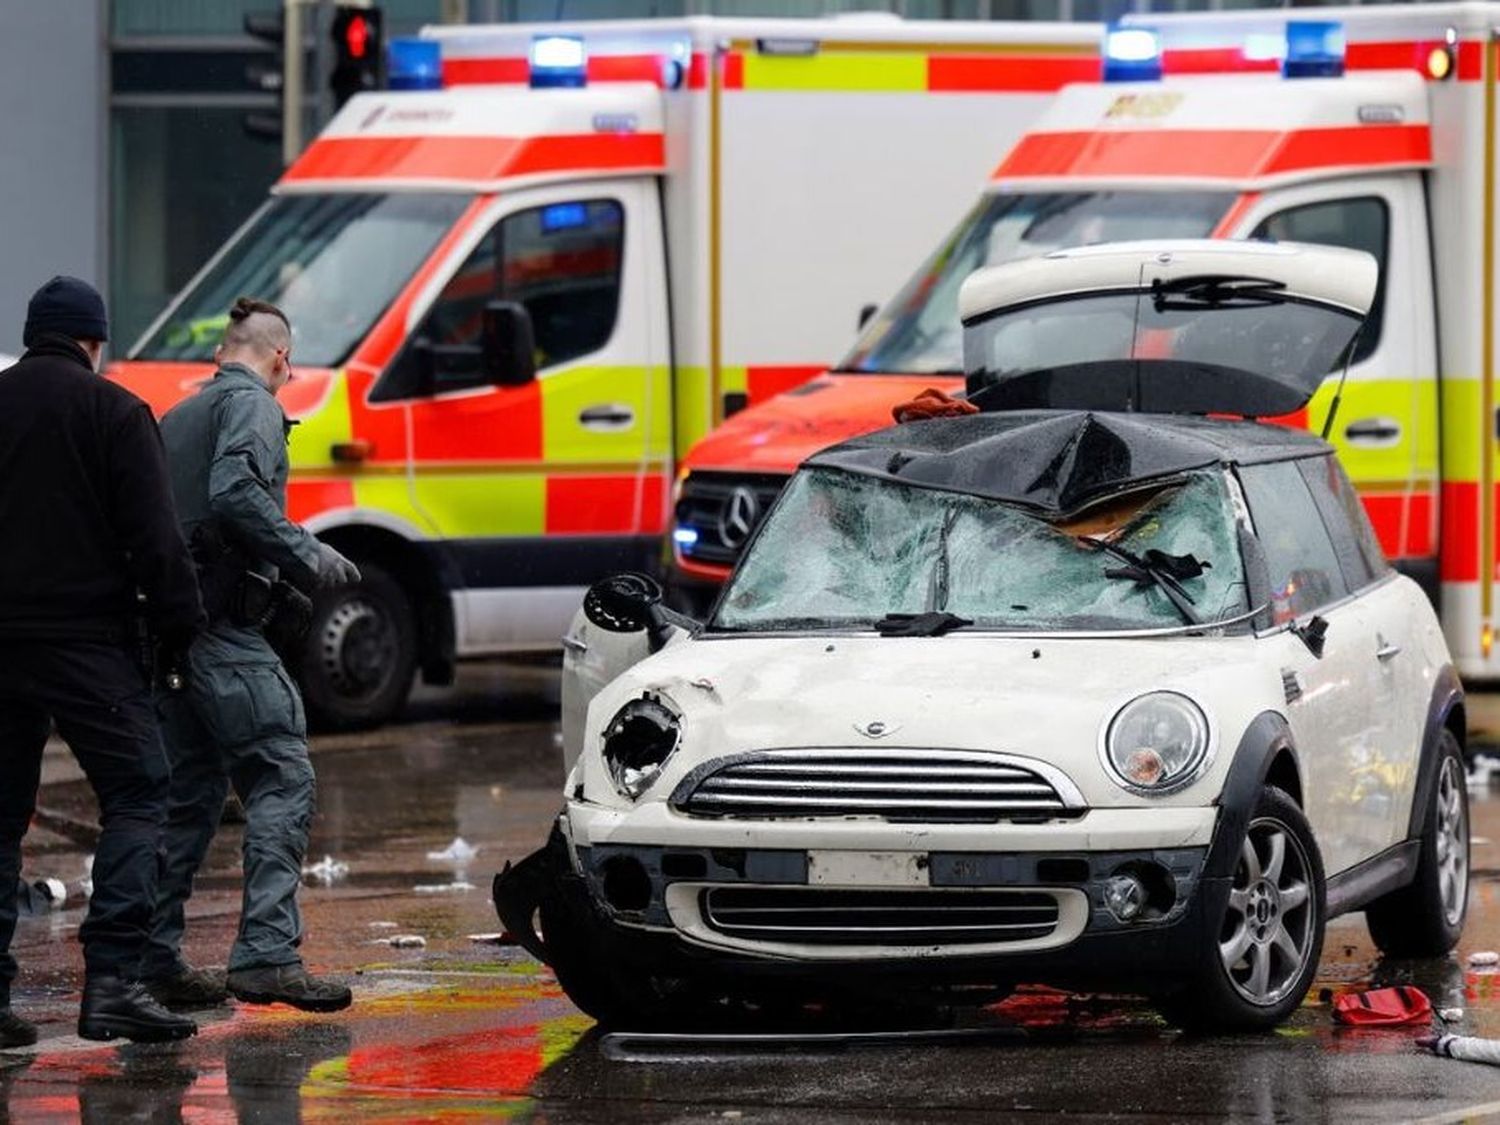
(332, 262)
(918, 331)
(842, 550)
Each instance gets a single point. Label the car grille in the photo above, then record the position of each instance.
(831, 916)
(948, 786)
(724, 509)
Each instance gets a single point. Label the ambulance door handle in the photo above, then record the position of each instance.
(607, 417)
(1378, 432)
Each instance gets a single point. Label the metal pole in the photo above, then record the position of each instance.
(293, 81)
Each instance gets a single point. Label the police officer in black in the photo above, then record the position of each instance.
(240, 720)
(90, 544)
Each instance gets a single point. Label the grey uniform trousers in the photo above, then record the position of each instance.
(239, 721)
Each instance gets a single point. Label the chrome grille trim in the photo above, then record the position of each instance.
(967, 786)
(838, 916)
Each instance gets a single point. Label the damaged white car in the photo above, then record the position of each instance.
(1093, 688)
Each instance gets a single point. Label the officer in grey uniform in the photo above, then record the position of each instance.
(238, 718)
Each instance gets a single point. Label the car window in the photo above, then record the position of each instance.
(1303, 566)
(561, 261)
(1354, 541)
(844, 550)
(1356, 224)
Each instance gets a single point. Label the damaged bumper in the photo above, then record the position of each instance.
(973, 904)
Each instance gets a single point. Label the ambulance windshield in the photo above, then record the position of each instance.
(332, 262)
(918, 332)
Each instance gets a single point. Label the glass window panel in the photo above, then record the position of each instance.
(1303, 567)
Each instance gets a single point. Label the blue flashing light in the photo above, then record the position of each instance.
(1131, 54)
(685, 536)
(564, 216)
(414, 64)
(1314, 49)
(558, 60)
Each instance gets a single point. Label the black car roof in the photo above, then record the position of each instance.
(1059, 461)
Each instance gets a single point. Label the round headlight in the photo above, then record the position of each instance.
(638, 742)
(1158, 743)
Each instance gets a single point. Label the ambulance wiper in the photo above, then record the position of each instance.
(1156, 568)
(1212, 291)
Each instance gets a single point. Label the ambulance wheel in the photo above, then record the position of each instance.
(360, 655)
(1263, 951)
(1426, 917)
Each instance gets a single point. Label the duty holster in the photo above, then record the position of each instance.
(233, 592)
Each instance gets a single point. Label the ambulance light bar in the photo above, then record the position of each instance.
(685, 536)
(1131, 54)
(1314, 49)
(414, 64)
(558, 60)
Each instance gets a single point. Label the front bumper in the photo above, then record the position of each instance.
(651, 905)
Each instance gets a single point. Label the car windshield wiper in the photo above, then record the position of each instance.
(1156, 568)
(933, 624)
(1212, 291)
(937, 595)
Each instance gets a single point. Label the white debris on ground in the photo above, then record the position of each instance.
(459, 852)
(382, 925)
(1450, 1015)
(326, 871)
(1484, 767)
(501, 938)
(458, 886)
(403, 941)
(86, 884)
(1481, 958)
(1466, 1048)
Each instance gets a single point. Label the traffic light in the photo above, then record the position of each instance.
(268, 77)
(358, 52)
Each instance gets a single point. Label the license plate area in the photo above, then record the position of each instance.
(867, 869)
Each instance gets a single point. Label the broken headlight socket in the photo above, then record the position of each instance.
(1157, 743)
(637, 743)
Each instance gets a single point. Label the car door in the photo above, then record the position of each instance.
(1334, 723)
(539, 489)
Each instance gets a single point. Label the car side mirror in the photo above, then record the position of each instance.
(631, 602)
(1313, 634)
(865, 314)
(508, 344)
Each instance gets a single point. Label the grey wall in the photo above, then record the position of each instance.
(52, 150)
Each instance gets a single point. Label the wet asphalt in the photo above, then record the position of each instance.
(465, 1029)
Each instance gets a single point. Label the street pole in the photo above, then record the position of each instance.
(293, 81)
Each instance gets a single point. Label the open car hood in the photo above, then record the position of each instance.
(1188, 327)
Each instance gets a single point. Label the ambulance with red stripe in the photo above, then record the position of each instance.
(528, 280)
(1370, 127)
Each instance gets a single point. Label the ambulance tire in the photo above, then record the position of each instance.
(360, 656)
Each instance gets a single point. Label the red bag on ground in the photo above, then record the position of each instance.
(1384, 1007)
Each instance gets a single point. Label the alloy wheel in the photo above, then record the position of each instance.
(1270, 925)
(1452, 840)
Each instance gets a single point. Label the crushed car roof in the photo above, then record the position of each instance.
(1059, 461)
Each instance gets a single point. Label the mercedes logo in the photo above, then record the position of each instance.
(737, 517)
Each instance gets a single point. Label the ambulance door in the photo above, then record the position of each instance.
(535, 491)
(1386, 428)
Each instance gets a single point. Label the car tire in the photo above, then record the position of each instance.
(1426, 917)
(359, 658)
(1264, 945)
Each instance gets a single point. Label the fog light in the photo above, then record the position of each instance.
(1125, 895)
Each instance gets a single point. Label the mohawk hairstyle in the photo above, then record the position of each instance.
(245, 307)
(248, 328)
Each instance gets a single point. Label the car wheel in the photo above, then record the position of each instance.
(1266, 944)
(360, 654)
(1426, 917)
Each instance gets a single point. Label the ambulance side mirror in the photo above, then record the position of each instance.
(508, 344)
(865, 314)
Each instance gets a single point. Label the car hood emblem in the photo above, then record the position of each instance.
(877, 728)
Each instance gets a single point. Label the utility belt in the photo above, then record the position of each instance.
(233, 592)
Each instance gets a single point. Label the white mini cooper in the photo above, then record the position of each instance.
(1092, 688)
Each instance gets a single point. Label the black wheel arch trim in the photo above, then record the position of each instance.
(1264, 740)
(1447, 694)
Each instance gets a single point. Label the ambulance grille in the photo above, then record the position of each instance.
(919, 916)
(922, 786)
(724, 509)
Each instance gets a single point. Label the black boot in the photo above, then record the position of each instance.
(119, 1009)
(188, 989)
(288, 984)
(14, 1031)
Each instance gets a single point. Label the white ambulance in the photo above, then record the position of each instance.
(1369, 127)
(525, 282)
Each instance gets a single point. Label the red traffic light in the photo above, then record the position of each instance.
(357, 36)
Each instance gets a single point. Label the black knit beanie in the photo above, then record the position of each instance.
(68, 307)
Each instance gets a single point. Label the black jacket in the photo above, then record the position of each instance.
(86, 515)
